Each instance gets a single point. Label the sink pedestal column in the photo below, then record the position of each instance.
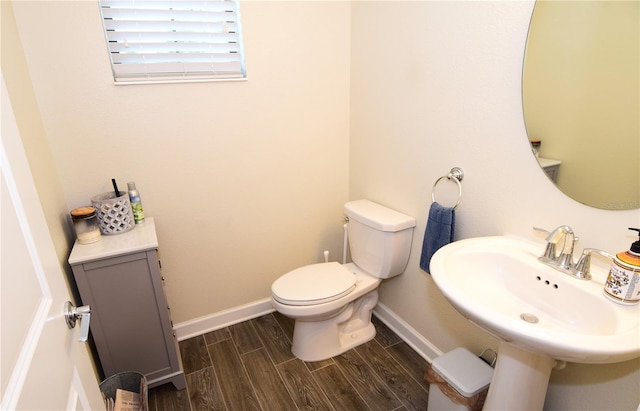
(520, 379)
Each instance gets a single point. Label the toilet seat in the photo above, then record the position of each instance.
(314, 284)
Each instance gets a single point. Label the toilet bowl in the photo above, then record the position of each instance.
(331, 303)
(329, 328)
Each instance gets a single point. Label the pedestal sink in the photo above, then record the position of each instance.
(540, 315)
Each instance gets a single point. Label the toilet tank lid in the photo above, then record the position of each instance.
(377, 216)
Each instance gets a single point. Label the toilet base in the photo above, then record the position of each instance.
(320, 340)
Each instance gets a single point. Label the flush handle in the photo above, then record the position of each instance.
(73, 314)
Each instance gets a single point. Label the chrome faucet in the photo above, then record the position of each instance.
(564, 261)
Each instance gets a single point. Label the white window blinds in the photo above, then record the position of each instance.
(169, 40)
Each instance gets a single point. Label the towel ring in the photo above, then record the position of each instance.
(456, 174)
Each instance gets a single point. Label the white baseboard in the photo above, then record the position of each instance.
(421, 345)
(216, 321)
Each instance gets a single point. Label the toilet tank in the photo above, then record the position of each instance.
(379, 238)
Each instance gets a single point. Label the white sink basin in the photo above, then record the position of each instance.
(540, 315)
(498, 284)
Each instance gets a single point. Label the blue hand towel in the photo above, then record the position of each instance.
(439, 232)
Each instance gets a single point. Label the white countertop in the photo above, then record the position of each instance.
(142, 237)
(548, 162)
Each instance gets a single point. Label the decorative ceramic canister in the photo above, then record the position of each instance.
(623, 282)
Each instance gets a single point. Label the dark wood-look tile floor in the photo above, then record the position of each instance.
(249, 366)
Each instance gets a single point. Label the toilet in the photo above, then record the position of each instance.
(331, 303)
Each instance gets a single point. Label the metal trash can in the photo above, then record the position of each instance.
(128, 381)
(458, 381)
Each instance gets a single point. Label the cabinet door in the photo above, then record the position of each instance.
(129, 320)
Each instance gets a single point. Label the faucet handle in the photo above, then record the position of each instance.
(583, 267)
(588, 251)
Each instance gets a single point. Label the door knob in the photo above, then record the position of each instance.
(73, 314)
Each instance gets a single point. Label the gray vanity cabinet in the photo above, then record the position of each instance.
(120, 278)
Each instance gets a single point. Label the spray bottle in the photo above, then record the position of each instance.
(136, 203)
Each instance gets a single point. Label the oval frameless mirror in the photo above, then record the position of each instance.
(581, 99)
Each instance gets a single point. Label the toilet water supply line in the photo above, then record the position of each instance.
(344, 244)
(344, 248)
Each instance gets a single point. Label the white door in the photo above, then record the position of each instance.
(42, 364)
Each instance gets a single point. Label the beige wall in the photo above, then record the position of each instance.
(246, 180)
(245, 190)
(441, 88)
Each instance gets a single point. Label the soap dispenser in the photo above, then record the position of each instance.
(623, 282)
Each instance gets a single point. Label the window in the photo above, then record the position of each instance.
(173, 40)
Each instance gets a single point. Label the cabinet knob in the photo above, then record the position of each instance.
(73, 314)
